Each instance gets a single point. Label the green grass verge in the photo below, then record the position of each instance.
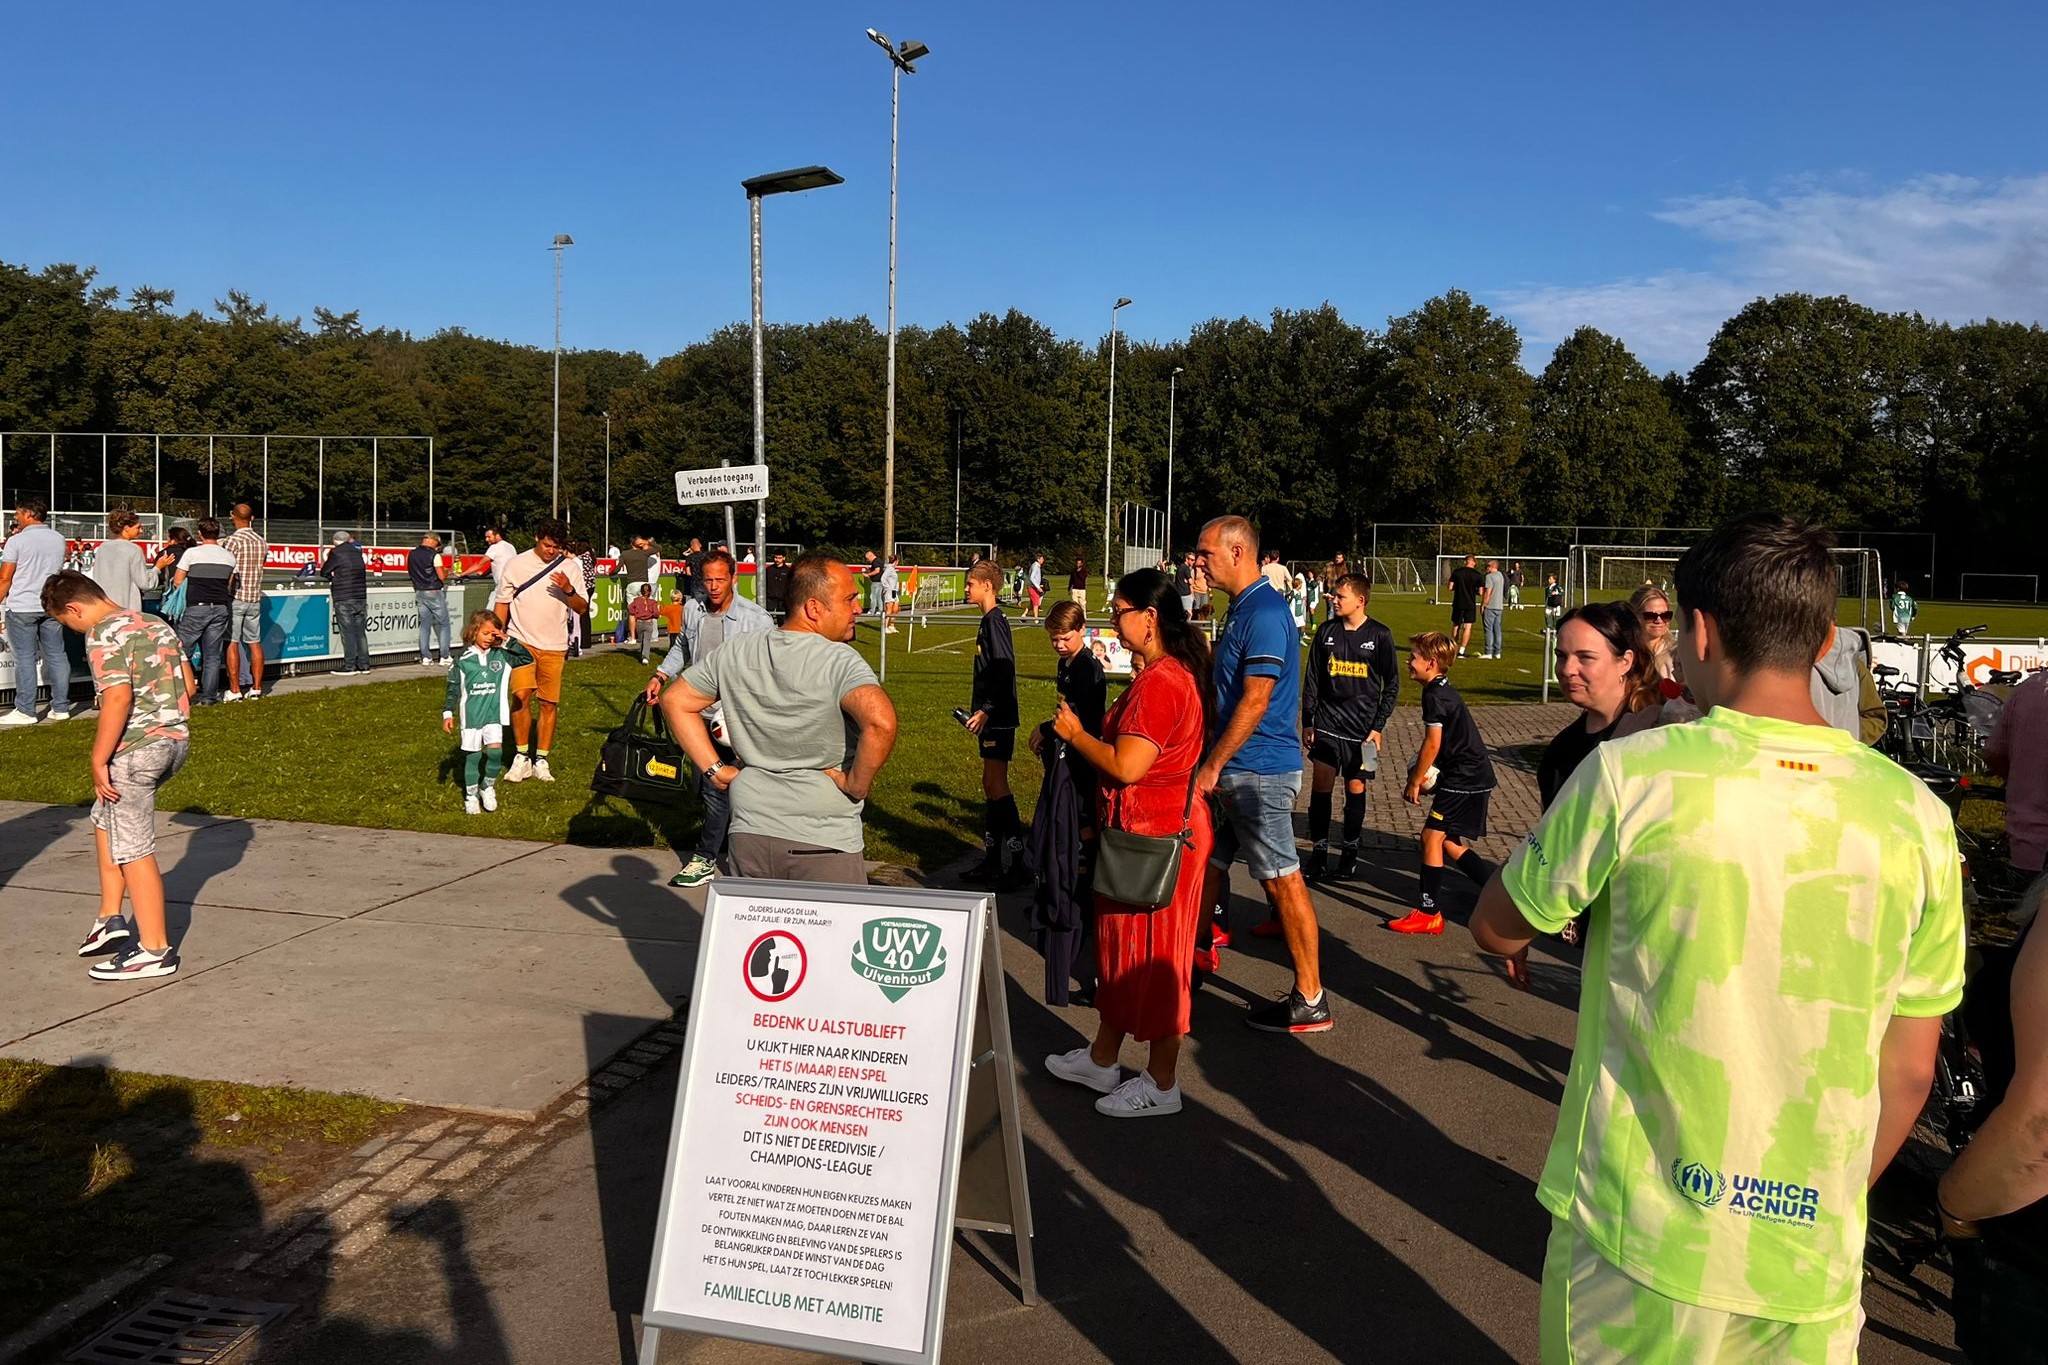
(98, 1167)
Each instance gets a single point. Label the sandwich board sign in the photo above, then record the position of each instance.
(847, 1098)
(727, 483)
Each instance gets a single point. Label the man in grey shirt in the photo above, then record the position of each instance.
(1493, 600)
(809, 728)
(34, 555)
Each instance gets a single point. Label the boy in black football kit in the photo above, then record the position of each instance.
(1352, 684)
(992, 719)
(1455, 770)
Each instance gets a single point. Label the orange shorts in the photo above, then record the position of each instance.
(543, 675)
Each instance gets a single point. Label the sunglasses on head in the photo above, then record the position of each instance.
(1656, 616)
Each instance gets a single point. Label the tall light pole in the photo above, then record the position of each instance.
(900, 59)
(759, 188)
(1172, 382)
(562, 239)
(1109, 446)
(608, 477)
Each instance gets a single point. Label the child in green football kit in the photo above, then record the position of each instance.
(1775, 929)
(479, 703)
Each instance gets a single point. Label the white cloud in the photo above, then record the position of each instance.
(1946, 246)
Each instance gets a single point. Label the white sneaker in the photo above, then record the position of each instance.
(1139, 1098)
(348, 672)
(252, 695)
(489, 796)
(231, 696)
(18, 718)
(471, 805)
(541, 771)
(56, 716)
(1077, 1066)
(521, 769)
(426, 663)
(444, 663)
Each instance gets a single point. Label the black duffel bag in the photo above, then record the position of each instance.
(641, 761)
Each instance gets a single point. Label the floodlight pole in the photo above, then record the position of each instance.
(562, 239)
(607, 481)
(1172, 383)
(900, 61)
(1109, 448)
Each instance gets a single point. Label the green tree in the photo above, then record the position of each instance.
(1605, 447)
(1452, 412)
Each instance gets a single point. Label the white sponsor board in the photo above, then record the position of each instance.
(1980, 658)
(740, 483)
(812, 1181)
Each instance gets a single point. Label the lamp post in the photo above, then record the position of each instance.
(562, 239)
(759, 188)
(608, 478)
(1109, 444)
(900, 61)
(1172, 382)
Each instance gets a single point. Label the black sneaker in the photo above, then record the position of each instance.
(1347, 860)
(1291, 1014)
(985, 872)
(1318, 865)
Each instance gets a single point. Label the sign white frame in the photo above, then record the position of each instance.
(981, 961)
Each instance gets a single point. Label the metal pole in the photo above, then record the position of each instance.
(106, 494)
(159, 496)
(53, 467)
(209, 476)
(607, 482)
(1172, 385)
(430, 488)
(760, 413)
(957, 415)
(373, 500)
(266, 488)
(729, 541)
(1109, 454)
(555, 479)
(889, 446)
(320, 497)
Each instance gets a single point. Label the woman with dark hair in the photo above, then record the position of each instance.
(1151, 744)
(579, 630)
(176, 541)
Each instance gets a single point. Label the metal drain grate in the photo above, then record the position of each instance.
(177, 1328)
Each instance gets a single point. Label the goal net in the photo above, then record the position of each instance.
(1394, 573)
(1535, 569)
(943, 553)
(1603, 573)
(2001, 587)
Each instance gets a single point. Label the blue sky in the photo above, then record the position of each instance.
(1644, 168)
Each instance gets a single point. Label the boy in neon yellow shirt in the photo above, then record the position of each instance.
(1776, 930)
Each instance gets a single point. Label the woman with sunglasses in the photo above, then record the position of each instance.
(1151, 744)
(1654, 609)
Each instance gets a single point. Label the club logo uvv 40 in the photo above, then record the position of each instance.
(899, 955)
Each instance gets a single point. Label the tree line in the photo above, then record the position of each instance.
(1313, 425)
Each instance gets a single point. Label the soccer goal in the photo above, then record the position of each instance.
(1535, 568)
(2001, 587)
(943, 553)
(1395, 573)
(1602, 573)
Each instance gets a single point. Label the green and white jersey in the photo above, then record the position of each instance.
(480, 685)
(1765, 896)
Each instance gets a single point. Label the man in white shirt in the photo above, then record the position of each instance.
(498, 551)
(540, 595)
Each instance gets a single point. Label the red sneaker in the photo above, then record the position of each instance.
(1415, 922)
(1267, 929)
(1208, 961)
(1219, 937)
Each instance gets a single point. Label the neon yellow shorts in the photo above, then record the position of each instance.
(1594, 1314)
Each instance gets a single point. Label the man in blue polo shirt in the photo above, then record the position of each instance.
(1254, 763)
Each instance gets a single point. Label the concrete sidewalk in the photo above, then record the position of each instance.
(466, 973)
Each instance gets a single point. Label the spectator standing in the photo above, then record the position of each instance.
(1202, 587)
(1254, 764)
(1333, 574)
(775, 585)
(890, 587)
(119, 568)
(1275, 572)
(992, 719)
(1148, 758)
(645, 614)
(689, 579)
(349, 590)
(176, 541)
(139, 669)
(579, 625)
(1466, 582)
(1034, 584)
(1845, 690)
(1516, 582)
(1700, 1197)
(1349, 695)
(725, 616)
(1077, 584)
(1184, 583)
(1493, 593)
(33, 556)
(498, 552)
(539, 600)
(638, 567)
(2018, 752)
(1060, 847)
(245, 618)
(809, 729)
(427, 567)
(208, 574)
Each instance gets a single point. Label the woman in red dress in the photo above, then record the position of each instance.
(1152, 742)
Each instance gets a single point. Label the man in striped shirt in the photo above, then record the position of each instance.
(245, 615)
(208, 573)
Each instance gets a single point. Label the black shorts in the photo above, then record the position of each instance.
(1463, 616)
(998, 745)
(1460, 816)
(1347, 756)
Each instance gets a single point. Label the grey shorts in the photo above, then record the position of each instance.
(245, 623)
(785, 860)
(136, 773)
(1257, 821)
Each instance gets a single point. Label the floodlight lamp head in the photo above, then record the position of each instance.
(564, 239)
(1123, 303)
(913, 51)
(1180, 369)
(882, 39)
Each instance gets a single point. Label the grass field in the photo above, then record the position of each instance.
(98, 1167)
(374, 755)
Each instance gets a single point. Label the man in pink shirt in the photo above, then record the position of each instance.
(2018, 752)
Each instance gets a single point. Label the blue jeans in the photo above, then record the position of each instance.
(433, 622)
(354, 620)
(1257, 820)
(1491, 616)
(205, 627)
(30, 633)
(717, 814)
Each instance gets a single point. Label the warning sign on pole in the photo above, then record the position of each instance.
(737, 483)
(813, 1173)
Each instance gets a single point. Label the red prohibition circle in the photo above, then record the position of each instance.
(803, 966)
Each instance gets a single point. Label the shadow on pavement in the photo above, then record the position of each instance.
(28, 834)
(208, 852)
